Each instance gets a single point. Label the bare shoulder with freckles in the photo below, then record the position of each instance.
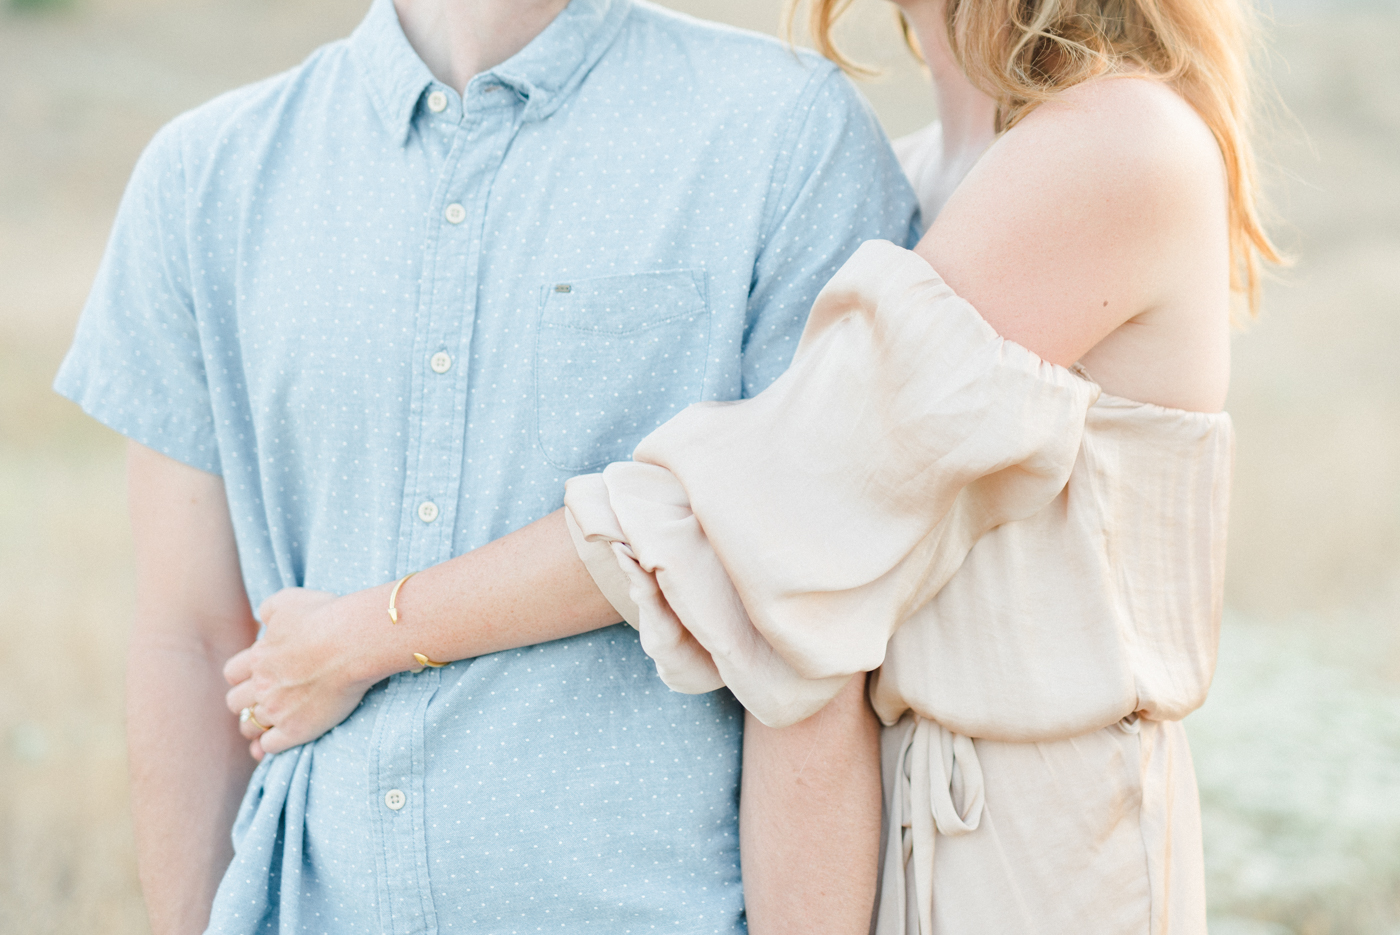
(1096, 230)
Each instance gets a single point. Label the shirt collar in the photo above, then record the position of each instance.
(393, 73)
(552, 66)
(543, 74)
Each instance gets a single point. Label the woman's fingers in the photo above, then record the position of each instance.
(292, 703)
(240, 696)
(270, 606)
(275, 741)
(278, 740)
(240, 667)
(251, 731)
(263, 727)
(254, 726)
(280, 613)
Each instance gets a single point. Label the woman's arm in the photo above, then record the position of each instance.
(809, 820)
(320, 653)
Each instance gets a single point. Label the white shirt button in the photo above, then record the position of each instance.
(441, 362)
(427, 511)
(455, 213)
(395, 799)
(437, 102)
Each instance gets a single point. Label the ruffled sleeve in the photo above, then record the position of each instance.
(775, 544)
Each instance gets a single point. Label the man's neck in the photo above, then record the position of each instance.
(459, 39)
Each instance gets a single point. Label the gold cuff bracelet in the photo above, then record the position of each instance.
(394, 596)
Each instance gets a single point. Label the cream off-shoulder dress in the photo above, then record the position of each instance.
(1030, 568)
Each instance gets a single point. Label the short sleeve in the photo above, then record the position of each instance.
(792, 534)
(836, 185)
(136, 363)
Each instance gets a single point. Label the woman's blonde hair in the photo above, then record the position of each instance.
(1024, 52)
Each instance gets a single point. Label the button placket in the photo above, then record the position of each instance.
(399, 762)
(446, 317)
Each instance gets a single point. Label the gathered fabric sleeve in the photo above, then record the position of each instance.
(775, 544)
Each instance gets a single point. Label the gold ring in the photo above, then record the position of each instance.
(246, 717)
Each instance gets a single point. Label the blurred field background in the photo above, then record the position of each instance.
(1298, 750)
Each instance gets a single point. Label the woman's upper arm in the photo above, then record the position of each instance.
(1074, 221)
(189, 584)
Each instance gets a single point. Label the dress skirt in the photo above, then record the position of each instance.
(1092, 835)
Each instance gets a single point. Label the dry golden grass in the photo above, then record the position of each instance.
(1299, 751)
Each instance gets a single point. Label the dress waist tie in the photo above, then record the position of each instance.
(933, 785)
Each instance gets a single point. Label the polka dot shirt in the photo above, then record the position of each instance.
(395, 319)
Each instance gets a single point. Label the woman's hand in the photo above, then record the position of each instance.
(307, 672)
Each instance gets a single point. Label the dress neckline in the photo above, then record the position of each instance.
(1079, 370)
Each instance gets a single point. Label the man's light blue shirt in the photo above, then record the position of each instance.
(396, 319)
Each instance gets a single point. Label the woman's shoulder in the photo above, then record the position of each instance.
(1084, 216)
(1141, 99)
(1133, 124)
(1128, 138)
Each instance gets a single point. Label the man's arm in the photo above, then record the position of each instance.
(809, 820)
(189, 765)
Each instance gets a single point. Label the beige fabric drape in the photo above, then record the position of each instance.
(1018, 558)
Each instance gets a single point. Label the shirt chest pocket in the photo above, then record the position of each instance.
(615, 357)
